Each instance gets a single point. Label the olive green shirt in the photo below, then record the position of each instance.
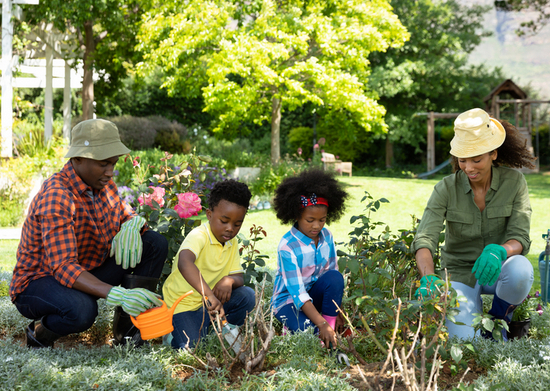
(507, 215)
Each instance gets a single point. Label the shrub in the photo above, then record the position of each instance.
(18, 175)
(271, 176)
(235, 153)
(301, 138)
(28, 137)
(135, 132)
(171, 135)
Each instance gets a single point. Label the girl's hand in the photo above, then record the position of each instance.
(340, 322)
(327, 335)
(223, 289)
(214, 306)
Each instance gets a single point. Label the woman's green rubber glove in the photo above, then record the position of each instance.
(488, 265)
(428, 286)
(133, 301)
(127, 245)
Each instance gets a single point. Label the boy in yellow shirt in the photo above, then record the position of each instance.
(208, 263)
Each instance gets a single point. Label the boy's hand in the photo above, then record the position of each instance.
(214, 306)
(223, 289)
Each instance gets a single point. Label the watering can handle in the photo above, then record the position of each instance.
(180, 299)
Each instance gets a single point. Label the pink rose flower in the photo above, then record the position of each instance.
(316, 146)
(189, 204)
(299, 151)
(157, 195)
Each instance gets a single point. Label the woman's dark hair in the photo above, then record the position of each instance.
(512, 153)
(287, 202)
(229, 190)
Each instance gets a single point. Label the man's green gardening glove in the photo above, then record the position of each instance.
(133, 301)
(428, 286)
(127, 245)
(488, 265)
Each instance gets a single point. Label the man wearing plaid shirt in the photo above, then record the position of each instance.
(79, 242)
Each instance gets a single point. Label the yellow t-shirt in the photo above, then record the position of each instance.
(213, 260)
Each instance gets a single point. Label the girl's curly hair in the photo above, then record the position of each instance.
(229, 190)
(287, 202)
(512, 153)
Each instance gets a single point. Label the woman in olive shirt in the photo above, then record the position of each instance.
(487, 214)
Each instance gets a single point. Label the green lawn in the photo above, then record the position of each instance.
(406, 197)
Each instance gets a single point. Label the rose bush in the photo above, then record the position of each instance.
(169, 195)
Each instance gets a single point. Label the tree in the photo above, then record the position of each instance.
(103, 31)
(253, 59)
(430, 72)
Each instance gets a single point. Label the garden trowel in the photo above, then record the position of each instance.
(230, 333)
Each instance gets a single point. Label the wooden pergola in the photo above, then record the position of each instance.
(430, 137)
(522, 117)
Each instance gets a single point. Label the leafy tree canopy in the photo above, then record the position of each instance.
(251, 59)
(430, 72)
(101, 33)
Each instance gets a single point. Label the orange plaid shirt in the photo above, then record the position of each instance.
(66, 232)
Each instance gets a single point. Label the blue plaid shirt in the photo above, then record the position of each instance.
(299, 266)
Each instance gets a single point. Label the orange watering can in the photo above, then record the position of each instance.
(156, 322)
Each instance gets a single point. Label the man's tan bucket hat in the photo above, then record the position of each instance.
(476, 133)
(96, 139)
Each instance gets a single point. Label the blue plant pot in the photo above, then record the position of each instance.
(542, 270)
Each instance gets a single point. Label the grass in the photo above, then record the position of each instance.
(407, 198)
(8, 249)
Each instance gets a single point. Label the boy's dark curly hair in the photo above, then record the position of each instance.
(287, 203)
(512, 153)
(229, 190)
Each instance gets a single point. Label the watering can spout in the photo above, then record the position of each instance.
(156, 322)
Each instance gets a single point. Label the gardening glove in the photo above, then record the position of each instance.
(488, 265)
(127, 245)
(133, 301)
(428, 286)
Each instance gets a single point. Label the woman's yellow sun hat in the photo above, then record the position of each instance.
(476, 133)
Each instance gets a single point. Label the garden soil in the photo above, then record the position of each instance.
(361, 377)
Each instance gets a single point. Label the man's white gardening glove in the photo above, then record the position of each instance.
(133, 301)
(127, 245)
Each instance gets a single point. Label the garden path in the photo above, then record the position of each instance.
(10, 233)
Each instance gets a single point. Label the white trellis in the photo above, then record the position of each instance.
(7, 65)
(47, 73)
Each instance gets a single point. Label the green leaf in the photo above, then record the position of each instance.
(353, 265)
(164, 227)
(456, 353)
(154, 216)
(171, 212)
(372, 278)
(488, 324)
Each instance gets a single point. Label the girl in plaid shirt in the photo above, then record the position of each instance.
(308, 283)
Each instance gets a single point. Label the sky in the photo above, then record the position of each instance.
(525, 60)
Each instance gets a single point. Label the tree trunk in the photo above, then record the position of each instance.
(87, 80)
(275, 130)
(389, 152)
